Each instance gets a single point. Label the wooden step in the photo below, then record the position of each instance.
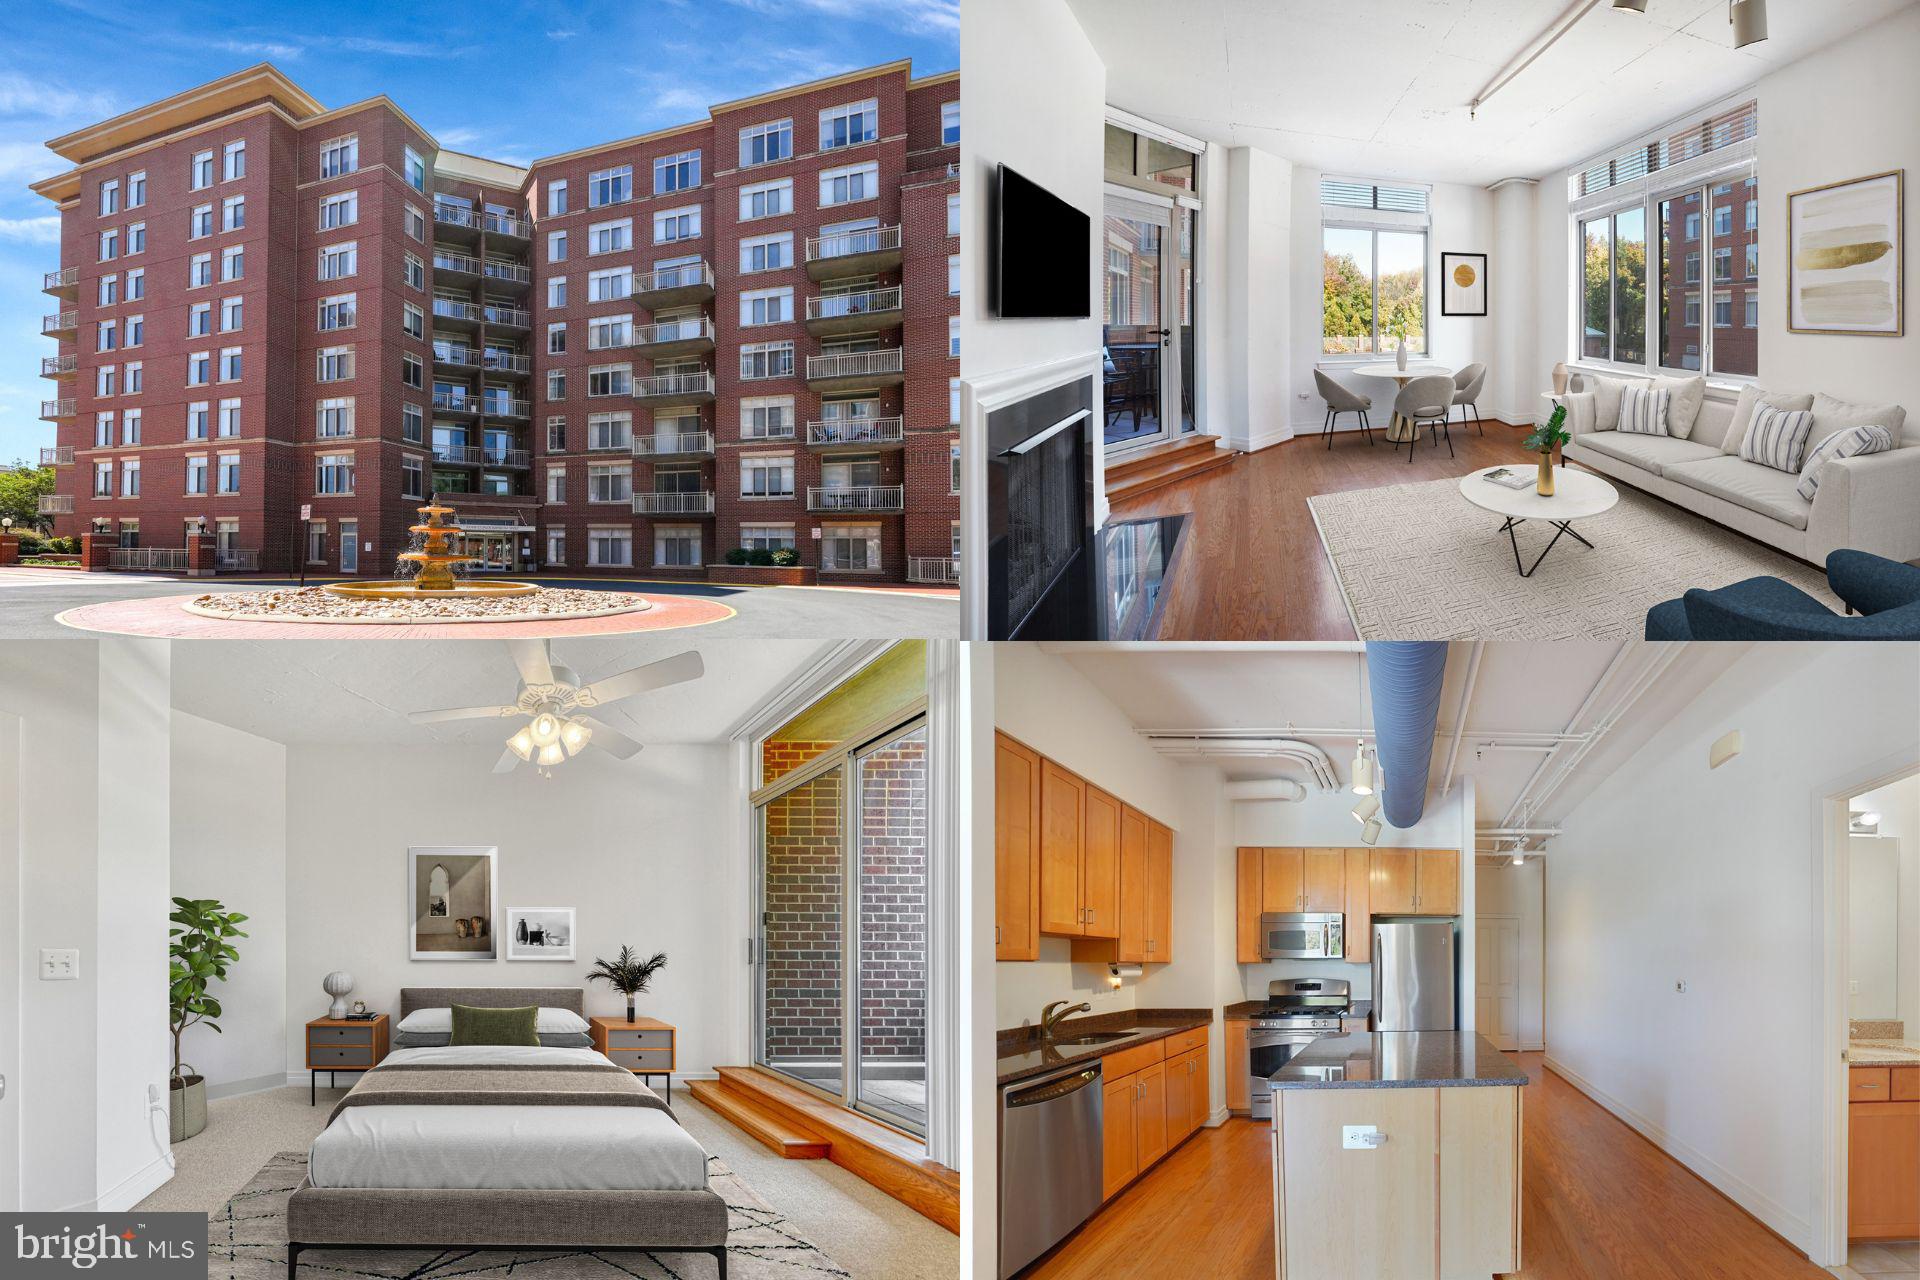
(893, 1161)
(1137, 460)
(1183, 464)
(785, 1139)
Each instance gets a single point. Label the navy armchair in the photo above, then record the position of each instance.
(1885, 593)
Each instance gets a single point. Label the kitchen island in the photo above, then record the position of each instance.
(1396, 1156)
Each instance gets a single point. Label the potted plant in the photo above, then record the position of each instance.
(199, 950)
(628, 974)
(1547, 437)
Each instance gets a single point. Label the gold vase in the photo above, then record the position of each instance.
(1544, 485)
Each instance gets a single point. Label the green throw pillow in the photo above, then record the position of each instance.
(494, 1026)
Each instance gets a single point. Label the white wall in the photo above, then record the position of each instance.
(229, 825)
(1873, 928)
(636, 852)
(1514, 368)
(11, 968)
(1898, 805)
(1670, 872)
(1520, 892)
(1258, 297)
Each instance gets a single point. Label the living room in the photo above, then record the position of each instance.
(1622, 232)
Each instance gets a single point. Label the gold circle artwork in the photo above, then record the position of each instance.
(1463, 276)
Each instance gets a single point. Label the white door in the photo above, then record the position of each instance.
(10, 963)
(1496, 996)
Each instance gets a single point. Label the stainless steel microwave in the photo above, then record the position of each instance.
(1302, 935)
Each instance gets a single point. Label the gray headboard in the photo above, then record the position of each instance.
(412, 998)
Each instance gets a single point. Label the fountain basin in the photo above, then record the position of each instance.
(403, 589)
(324, 605)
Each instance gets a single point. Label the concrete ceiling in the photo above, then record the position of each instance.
(355, 692)
(1380, 88)
(1521, 689)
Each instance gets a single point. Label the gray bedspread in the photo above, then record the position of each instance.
(545, 1084)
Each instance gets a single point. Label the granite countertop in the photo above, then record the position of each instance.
(1246, 1009)
(1398, 1060)
(1881, 1053)
(1023, 1054)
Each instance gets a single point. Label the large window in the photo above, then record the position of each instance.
(1374, 290)
(1613, 287)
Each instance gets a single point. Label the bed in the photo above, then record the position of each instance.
(510, 1147)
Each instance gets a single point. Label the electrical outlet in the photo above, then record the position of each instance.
(1853, 986)
(1360, 1137)
(59, 964)
(1681, 986)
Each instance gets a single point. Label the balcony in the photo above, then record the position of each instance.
(854, 253)
(509, 273)
(61, 324)
(54, 504)
(851, 370)
(507, 224)
(506, 407)
(458, 455)
(673, 338)
(505, 362)
(506, 317)
(861, 312)
(53, 410)
(455, 263)
(456, 220)
(862, 433)
(858, 498)
(455, 311)
(673, 504)
(61, 367)
(695, 444)
(454, 402)
(64, 283)
(459, 357)
(941, 569)
(666, 389)
(511, 459)
(673, 286)
(60, 455)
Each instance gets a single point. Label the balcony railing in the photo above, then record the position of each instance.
(507, 224)
(688, 275)
(858, 497)
(660, 446)
(856, 364)
(648, 335)
(54, 504)
(512, 316)
(504, 407)
(56, 408)
(54, 366)
(510, 271)
(847, 244)
(673, 504)
(452, 402)
(697, 383)
(458, 455)
(835, 306)
(235, 560)
(453, 215)
(150, 559)
(59, 455)
(505, 362)
(448, 260)
(64, 278)
(944, 569)
(517, 459)
(857, 431)
(59, 322)
(452, 309)
(447, 353)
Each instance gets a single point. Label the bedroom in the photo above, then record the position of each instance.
(407, 868)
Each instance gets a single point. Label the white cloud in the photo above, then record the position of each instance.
(915, 17)
(562, 34)
(40, 98)
(24, 162)
(261, 49)
(45, 230)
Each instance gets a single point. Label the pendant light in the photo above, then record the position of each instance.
(1362, 771)
(1749, 19)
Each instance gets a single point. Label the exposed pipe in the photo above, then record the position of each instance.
(1529, 55)
(1348, 731)
(1619, 656)
(1291, 790)
(1516, 831)
(1405, 678)
(1318, 764)
(1460, 716)
(1663, 658)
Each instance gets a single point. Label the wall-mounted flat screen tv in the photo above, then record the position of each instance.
(1042, 263)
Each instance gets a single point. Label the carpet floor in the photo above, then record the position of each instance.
(862, 1229)
(1420, 562)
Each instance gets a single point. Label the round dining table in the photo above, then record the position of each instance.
(1400, 430)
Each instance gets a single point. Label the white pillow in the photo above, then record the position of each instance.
(1751, 398)
(1777, 438)
(546, 1022)
(1606, 400)
(1643, 411)
(1684, 398)
(1849, 442)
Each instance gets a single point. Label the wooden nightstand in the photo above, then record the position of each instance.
(343, 1044)
(645, 1046)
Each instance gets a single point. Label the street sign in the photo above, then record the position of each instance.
(306, 511)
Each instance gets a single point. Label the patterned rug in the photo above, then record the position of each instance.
(248, 1241)
(1420, 562)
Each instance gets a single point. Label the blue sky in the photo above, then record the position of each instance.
(508, 79)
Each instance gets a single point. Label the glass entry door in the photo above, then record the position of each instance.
(1134, 335)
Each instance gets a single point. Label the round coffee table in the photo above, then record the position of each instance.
(1577, 495)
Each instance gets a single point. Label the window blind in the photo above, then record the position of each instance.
(1347, 193)
(1679, 153)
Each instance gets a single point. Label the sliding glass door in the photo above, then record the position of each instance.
(1149, 287)
(890, 949)
(1134, 335)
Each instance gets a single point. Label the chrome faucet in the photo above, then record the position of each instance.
(1053, 1013)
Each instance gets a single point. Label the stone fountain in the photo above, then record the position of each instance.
(435, 579)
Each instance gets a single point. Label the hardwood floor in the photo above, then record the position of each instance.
(1253, 568)
(1599, 1202)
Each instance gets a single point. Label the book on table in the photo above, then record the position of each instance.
(1508, 478)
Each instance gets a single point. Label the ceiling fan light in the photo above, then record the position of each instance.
(551, 754)
(1371, 831)
(1364, 812)
(546, 728)
(521, 744)
(574, 736)
(1749, 19)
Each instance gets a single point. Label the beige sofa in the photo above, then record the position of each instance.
(1868, 503)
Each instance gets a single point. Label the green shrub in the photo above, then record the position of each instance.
(760, 556)
(737, 556)
(785, 557)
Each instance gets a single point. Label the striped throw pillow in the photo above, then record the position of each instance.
(1643, 411)
(1778, 437)
(1849, 443)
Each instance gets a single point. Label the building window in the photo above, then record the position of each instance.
(1723, 310)
(676, 547)
(230, 364)
(231, 314)
(412, 423)
(676, 172)
(413, 477)
(850, 184)
(556, 546)
(676, 224)
(200, 223)
(557, 434)
(416, 273)
(1375, 290)
(609, 186)
(766, 418)
(342, 155)
(1753, 310)
(136, 284)
(196, 474)
(317, 542)
(953, 402)
(761, 360)
(953, 275)
(766, 143)
(767, 537)
(953, 215)
(130, 427)
(202, 170)
(767, 253)
(766, 199)
(130, 477)
(333, 473)
(949, 124)
(1686, 342)
(609, 332)
(610, 483)
(953, 467)
(609, 284)
(413, 321)
(766, 477)
(609, 547)
(199, 368)
(850, 547)
(136, 237)
(556, 246)
(235, 165)
(109, 245)
(103, 478)
(609, 432)
(610, 237)
(196, 420)
(557, 339)
(953, 337)
(103, 380)
(229, 473)
(610, 380)
(416, 171)
(556, 485)
(411, 371)
(557, 292)
(136, 330)
(109, 290)
(136, 378)
(333, 364)
(335, 417)
(109, 197)
(1723, 263)
(338, 261)
(342, 210)
(766, 306)
(556, 384)
(233, 264)
(556, 197)
(846, 126)
(229, 421)
(137, 189)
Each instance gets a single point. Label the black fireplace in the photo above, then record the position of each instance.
(1043, 565)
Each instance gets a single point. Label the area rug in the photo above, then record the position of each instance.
(247, 1240)
(1420, 562)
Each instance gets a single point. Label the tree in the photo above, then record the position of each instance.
(1347, 303)
(21, 489)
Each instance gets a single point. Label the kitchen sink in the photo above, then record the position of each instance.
(1092, 1037)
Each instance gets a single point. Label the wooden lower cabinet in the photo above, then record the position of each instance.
(1151, 1106)
(1883, 1153)
(1189, 1096)
(1119, 1135)
(1150, 1114)
(1239, 1083)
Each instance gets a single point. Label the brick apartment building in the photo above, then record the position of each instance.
(630, 358)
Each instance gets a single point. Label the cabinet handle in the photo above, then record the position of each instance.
(1089, 915)
(996, 935)
(1866, 1086)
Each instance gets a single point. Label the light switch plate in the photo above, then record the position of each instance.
(1360, 1137)
(59, 964)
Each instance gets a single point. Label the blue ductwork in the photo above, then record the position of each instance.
(1404, 678)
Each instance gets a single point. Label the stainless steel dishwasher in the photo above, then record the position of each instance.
(1050, 1161)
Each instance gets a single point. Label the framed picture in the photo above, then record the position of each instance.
(1463, 284)
(1846, 257)
(450, 902)
(539, 933)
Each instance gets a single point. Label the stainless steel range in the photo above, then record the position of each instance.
(1298, 1011)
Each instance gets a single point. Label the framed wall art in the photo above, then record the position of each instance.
(1463, 284)
(450, 902)
(1846, 257)
(539, 933)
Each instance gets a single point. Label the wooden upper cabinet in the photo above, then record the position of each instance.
(1323, 879)
(1282, 881)
(1437, 891)
(1100, 866)
(1063, 800)
(1391, 884)
(1136, 890)
(1359, 908)
(1247, 895)
(1016, 850)
(1159, 893)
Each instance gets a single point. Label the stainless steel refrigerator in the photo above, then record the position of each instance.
(1413, 976)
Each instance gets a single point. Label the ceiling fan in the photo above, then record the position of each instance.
(558, 708)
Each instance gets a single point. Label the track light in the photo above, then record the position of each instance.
(1749, 19)
(1519, 859)
(1362, 771)
(1364, 812)
(1371, 831)
(1631, 6)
